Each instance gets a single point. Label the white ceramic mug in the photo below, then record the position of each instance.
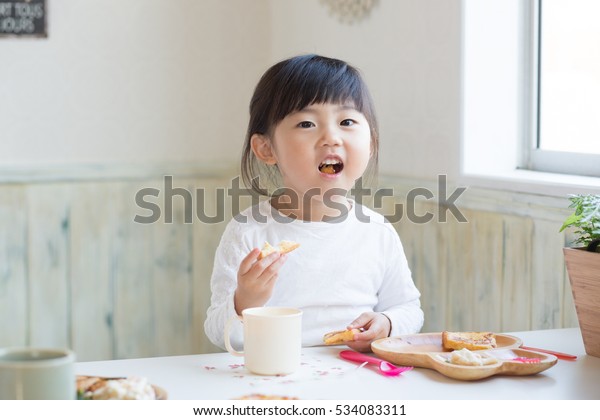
(37, 374)
(272, 339)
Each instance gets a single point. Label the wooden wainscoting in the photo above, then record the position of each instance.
(76, 270)
(501, 270)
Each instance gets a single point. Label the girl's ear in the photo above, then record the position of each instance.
(262, 148)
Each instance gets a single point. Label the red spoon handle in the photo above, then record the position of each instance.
(359, 357)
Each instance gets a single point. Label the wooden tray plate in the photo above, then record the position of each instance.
(426, 351)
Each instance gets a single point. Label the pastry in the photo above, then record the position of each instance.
(339, 337)
(466, 357)
(131, 388)
(283, 248)
(468, 340)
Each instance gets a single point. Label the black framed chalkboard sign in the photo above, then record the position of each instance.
(23, 18)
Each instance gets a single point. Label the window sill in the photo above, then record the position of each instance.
(533, 182)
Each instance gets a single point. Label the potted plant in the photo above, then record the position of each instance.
(583, 267)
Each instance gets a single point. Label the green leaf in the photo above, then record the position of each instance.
(571, 221)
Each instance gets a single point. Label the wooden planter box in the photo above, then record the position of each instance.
(584, 273)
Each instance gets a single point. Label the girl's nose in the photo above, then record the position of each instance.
(331, 137)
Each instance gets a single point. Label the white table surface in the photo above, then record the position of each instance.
(324, 376)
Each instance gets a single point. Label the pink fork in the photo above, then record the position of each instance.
(386, 368)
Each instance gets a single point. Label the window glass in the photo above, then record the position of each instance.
(569, 76)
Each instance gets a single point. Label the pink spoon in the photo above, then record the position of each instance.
(386, 368)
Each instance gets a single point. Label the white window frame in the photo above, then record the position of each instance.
(545, 160)
(499, 108)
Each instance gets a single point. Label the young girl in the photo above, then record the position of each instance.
(313, 133)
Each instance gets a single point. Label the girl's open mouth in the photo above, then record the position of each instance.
(331, 166)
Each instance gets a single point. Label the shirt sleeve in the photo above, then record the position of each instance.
(399, 298)
(223, 283)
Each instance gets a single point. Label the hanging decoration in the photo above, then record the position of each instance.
(349, 11)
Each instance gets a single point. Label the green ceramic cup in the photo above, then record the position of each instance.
(37, 374)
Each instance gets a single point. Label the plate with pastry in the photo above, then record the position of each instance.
(463, 355)
(117, 388)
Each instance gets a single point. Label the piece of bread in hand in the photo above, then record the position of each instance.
(468, 340)
(339, 337)
(283, 248)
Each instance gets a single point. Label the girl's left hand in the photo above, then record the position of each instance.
(375, 325)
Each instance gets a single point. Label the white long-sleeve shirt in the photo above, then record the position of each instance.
(340, 270)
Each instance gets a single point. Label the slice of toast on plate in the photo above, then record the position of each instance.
(468, 340)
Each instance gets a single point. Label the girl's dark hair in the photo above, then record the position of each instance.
(290, 86)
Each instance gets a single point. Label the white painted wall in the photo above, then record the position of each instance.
(132, 81)
(146, 81)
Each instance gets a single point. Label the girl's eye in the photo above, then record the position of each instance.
(348, 122)
(306, 124)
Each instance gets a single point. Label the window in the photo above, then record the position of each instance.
(566, 136)
(501, 97)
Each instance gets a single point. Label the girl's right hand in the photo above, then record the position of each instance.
(256, 279)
